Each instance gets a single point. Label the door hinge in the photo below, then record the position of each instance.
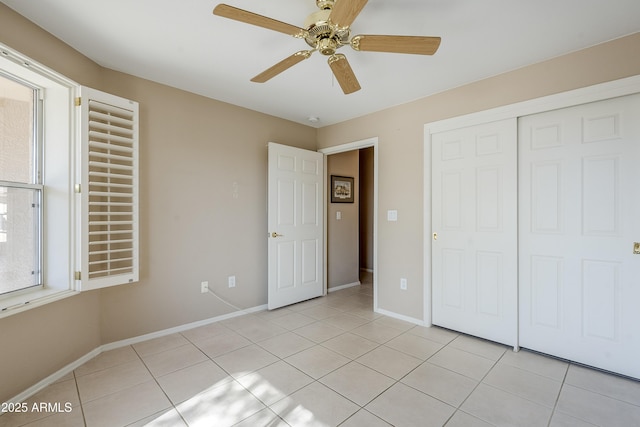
(78, 188)
(77, 275)
(78, 101)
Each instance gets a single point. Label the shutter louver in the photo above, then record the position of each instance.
(109, 190)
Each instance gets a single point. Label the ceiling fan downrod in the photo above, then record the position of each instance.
(325, 4)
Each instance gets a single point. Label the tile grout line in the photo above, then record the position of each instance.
(555, 405)
(75, 380)
(320, 344)
(172, 405)
(476, 387)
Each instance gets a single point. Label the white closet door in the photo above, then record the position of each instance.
(579, 216)
(474, 216)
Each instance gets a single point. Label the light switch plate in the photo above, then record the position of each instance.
(392, 215)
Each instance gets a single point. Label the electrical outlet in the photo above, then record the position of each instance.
(204, 287)
(232, 281)
(403, 284)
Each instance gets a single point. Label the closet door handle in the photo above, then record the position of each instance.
(435, 236)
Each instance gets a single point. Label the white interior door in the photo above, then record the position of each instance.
(474, 220)
(580, 216)
(295, 253)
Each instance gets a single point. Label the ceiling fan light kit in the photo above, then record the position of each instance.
(326, 31)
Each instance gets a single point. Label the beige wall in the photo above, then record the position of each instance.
(203, 208)
(196, 156)
(400, 143)
(342, 234)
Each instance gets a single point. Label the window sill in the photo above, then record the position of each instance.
(26, 301)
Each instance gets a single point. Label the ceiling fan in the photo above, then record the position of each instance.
(326, 31)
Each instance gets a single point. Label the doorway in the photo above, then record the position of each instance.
(343, 220)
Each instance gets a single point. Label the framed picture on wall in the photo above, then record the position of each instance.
(341, 189)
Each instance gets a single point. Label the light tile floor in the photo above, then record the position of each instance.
(326, 362)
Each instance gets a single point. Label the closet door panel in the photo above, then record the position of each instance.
(579, 204)
(474, 216)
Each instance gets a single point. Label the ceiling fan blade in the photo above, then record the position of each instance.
(396, 44)
(281, 66)
(344, 12)
(344, 74)
(241, 15)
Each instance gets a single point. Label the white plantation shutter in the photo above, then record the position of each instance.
(109, 190)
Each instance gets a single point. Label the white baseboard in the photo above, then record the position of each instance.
(181, 328)
(341, 287)
(122, 343)
(418, 322)
(55, 376)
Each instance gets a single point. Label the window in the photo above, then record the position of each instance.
(20, 186)
(68, 186)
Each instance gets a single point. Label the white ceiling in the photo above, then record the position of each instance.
(182, 44)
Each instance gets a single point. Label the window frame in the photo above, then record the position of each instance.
(35, 183)
(57, 164)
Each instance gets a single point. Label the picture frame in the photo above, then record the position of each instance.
(342, 189)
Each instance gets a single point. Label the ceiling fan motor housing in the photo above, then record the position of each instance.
(322, 34)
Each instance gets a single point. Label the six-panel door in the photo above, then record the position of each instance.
(579, 217)
(474, 258)
(295, 221)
